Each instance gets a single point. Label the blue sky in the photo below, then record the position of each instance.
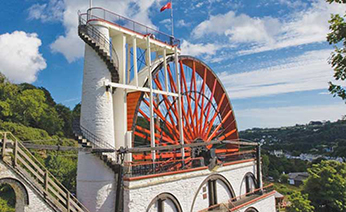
(270, 55)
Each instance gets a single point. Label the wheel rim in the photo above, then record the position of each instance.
(209, 118)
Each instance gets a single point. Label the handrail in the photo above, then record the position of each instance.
(145, 168)
(97, 142)
(104, 14)
(27, 164)
(99, 38)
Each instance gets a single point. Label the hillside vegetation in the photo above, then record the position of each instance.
(322, 138)
(32, 115)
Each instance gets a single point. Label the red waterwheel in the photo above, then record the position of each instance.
(206, 110)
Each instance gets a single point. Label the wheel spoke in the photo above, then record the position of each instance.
(206, 111)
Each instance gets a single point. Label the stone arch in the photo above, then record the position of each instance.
(248, 184)
(252, 209)
(213, 189)
(22, 196)
(164, 200)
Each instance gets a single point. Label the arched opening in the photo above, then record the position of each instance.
(213, 190)
(252, 209)
(249, 184)
(7, 198)
(14, 194)
(164, 202)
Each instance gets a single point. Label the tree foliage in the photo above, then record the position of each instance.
(337, 60)
(299, 203)
(64, 169)
(34, 107)
(326, 186)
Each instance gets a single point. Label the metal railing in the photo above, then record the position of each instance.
(236, 156)
(99, 13)
(141, 168)
(96, 142)
(159, 167)
(23, 162)
(98, 38)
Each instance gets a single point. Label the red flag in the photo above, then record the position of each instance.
(167, 6)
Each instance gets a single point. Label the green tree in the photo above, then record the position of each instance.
(265, 165)
(340, 151)
(337, 37)
(284, 178)
(299, 203)
(326, 186)
(64, 169)
(66, 115)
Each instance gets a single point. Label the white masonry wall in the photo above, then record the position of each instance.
(95, 181)
(96, 184)
(264, 205)
(186, 187)
(36, 202)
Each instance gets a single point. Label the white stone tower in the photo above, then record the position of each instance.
(94, 178)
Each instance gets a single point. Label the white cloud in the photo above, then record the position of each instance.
(309, 71)
(288, 116)
(263, 34)
(20, 59)
(69, 44)
(182, 23)
(240, 28)
(53, 11)
(198, 49)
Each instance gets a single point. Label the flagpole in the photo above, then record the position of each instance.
(172, 19)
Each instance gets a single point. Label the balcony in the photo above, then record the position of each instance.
(101, 14)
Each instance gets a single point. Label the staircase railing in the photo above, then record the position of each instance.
(96, 142)
(21, 160)
(98, 37)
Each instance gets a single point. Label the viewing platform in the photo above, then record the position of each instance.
(119, 24)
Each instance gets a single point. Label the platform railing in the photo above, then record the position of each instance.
(22, 161)
(97, 13)
(141, 168)
(159, 167)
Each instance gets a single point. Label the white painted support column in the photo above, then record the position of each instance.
(165, 67)
(181, 131)
(151, 99)
(128, 156)
(135, 68)
(119, 97)
(128, 72)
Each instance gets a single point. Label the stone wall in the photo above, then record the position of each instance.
(189, 188)
(27, 199)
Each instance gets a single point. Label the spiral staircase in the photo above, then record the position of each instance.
(97, 41)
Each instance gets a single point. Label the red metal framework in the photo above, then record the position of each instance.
(207, 113)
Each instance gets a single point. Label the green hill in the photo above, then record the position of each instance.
(327, 138)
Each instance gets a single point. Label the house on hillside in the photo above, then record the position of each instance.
(297, 178)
